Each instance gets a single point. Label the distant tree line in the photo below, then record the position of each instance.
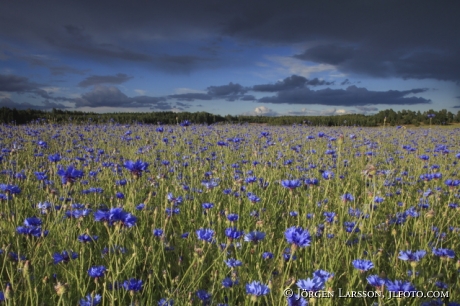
(388, 117)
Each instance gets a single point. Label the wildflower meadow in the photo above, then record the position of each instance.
(229, 214)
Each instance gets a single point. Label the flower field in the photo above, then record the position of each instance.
(229, 215)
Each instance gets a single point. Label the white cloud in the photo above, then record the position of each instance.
(140, 92)
(291, 65)
(261, 111)
(184, 90)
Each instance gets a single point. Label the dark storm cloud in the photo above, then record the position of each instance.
(248, 98)
(22, 85)
(104, 79)
(408, 64)
(410, 39)
(14, 83)
(182, 105)
(45, 105)
(111, 96)
(318, 82)
(292, 82)
(77, 40)
(226, 90)
(64, 70)
(191, 96)
(352, 96)
(230, 92)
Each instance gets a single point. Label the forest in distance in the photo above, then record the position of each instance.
(388, 117)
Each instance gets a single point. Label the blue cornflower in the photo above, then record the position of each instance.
(253, 198)
(375, 281)
(204, 296)
(173, 199)
(328, 175)
(136, 167)
(97, 271)
(41, 176)
(444, 253)
(205, 234)
(233, 233)
(256, 288)
(296, 300)
(363, 264)
(399, 286)
(133, 284)
(347, 197)
(412, 256)
(116, 215)
(330, 216)
(64, 257)
(210, 184)
(78, 213)
(267, 255)
(207, 205)
(10, 189)
(121, 182)
(233, 263)
(90, 300)
(54, 158)
(87, 238)
(232, 217)
(158, 232)
(350, 227)
(254, 236)
(441, 285)
(44, 207)
(311, 284)
(291, 184)
(323, 274)
(69, 175)
(35, 231)
(32, 221)
(120, 195)
(172, 211)
(298, 236)
(228, 282)
(165, 302)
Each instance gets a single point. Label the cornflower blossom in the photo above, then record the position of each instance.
(136, 167)
(90, 300)
(69, 175)
(133, 285)
(115, 215)
(444, 253)
(254, 236)
(363, 264)
(64, 257)
(298, 237)
(256, 289)
(347, 197)
(205, 234)
(97, 271)
(311, 284)
(291, 184)
(399, 286)
(412, 256)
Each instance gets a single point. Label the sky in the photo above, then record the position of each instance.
(266, 58)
